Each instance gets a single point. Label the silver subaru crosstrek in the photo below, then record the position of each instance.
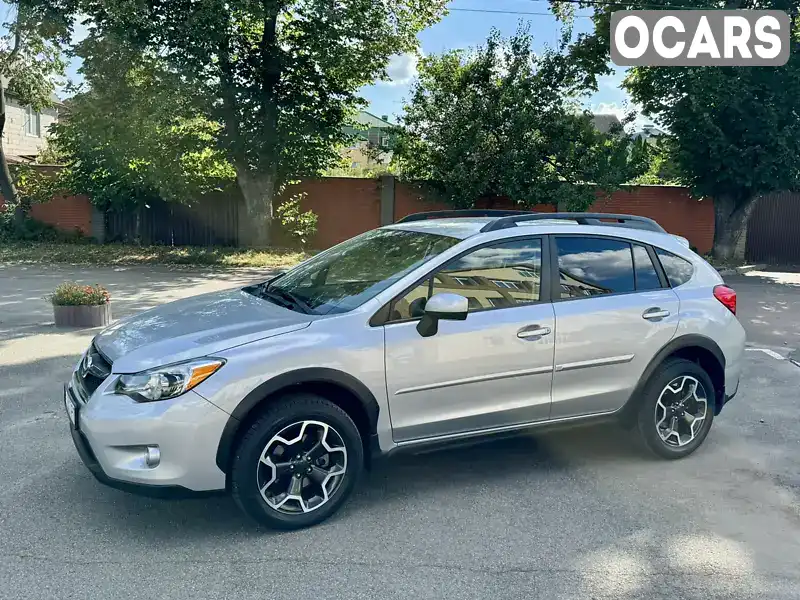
(441, 327)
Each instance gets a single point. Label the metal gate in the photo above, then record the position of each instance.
(773, 231)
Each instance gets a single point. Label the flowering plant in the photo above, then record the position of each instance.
(74, 294)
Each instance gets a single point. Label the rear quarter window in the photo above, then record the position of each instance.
(678, 270)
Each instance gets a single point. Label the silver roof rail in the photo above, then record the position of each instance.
(607, 219)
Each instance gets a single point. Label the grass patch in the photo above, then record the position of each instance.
(121, 254)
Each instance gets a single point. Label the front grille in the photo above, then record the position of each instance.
(93, 370)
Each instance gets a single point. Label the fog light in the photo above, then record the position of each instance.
(152, 456)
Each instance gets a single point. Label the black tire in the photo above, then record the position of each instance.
(277, 416)
(646, 427)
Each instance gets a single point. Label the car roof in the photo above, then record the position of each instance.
(461, 228)
(466, 227)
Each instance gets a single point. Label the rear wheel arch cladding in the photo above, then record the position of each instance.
(696, 348)
(342, 389)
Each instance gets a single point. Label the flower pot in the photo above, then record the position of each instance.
(82, 316)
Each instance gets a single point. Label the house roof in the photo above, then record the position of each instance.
(370, 120)
(604, 122)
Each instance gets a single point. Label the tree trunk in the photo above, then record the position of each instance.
(258, 190)
(730, 219)
(7, 187)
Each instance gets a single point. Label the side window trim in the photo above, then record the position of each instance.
(662, 276)
(381, 317)
(555, 280)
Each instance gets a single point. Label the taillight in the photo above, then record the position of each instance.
(727, 296)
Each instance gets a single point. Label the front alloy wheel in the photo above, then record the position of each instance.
(302, 467)
(297, 463)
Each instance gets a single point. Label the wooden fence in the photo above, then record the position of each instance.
(211, 221)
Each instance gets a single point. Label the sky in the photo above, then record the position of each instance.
(467, 25)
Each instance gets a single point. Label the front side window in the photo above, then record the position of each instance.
(353, 272)
(499, 276)
(594, 266)
(678, 270)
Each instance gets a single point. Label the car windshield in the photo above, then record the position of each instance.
(353, 272)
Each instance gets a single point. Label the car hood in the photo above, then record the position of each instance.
(194, 327)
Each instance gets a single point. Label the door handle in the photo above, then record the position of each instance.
(533, 331)
(655, 313)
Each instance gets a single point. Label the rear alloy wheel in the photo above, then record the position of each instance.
(677, 409)
(681, 409)
(298, 463)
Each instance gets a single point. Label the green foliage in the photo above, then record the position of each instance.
(735, 130)
(662, 168)
(300, 225)
(502, 120)
(30, 230)
(31, 43)
(279, 76)
(135, 135)
(31, 49)
(75, 294)
(51, 153)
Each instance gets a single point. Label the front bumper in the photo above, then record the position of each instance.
(175, 492)
(112, 432)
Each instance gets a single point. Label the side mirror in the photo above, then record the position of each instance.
(449, 307)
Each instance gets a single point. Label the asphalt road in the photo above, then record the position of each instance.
(579, 514)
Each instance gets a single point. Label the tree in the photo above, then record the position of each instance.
(135, 134)
(735, 130)
(502, 120)
(280, 76)
(30, 60)
(661, 166)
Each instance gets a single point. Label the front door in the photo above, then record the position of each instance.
(614, 312)
(492, 370)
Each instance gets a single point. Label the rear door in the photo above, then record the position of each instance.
(614, 311)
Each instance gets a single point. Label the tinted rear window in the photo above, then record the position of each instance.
(678, 270)
(594, 266)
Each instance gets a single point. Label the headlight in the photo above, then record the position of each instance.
(168, 382)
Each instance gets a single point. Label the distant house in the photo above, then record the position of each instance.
(371, 145)
(648, 133)
(25, 130)
(603, 122)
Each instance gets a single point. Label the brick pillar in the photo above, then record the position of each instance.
(387, 199)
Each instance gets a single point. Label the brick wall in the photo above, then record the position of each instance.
(349, 206)
(66, 213)
(345, 207)
(671, 207)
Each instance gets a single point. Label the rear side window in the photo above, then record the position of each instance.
(646, 275)
(678, 270)
(594, 266)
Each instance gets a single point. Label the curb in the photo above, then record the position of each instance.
(724, 271)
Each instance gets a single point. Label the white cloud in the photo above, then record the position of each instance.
(402, 68)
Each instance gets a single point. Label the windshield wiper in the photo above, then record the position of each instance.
(288, 299)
